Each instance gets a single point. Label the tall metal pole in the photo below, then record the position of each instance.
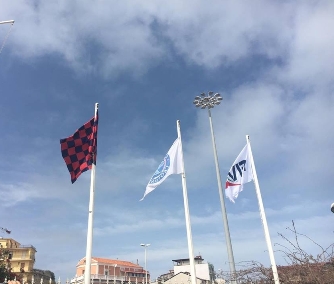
(262, 214)
(222, 204)
(186, 211)
(145, 246)
(90, 220)
(209, 102)
(145, 268)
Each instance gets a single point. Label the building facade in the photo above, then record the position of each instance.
(21, 258)
(21, 261)
(113, 271)
(202, 269)
(181, 269)
(184, 277)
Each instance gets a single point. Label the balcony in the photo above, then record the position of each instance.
(108, 279)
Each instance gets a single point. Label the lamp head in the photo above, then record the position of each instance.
(209, 101)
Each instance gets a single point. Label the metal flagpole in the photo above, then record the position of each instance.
(186, 211)
(90, 218)
(262, 214)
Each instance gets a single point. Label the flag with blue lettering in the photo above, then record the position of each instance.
(171, 164)
(239, 174)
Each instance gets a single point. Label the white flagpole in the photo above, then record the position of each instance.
(90, 218)
(262, 214)
(186, 211)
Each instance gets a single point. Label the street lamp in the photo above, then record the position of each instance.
(210, 101)
(6, 37)
(115, 265)
(7, 22)
(145, 246)
(332, 207)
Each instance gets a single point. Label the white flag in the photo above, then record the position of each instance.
(171, 164)
(239, 174)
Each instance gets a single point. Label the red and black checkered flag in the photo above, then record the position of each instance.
(79, 150)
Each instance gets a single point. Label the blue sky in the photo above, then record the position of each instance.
(144, 62)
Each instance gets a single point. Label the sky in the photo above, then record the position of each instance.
(144, 62)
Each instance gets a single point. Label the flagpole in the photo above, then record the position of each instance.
(263, 215)
(90, 218)
(186, 211)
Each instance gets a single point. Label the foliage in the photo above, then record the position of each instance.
(5, 270)
(3, 264)
(51, 273)
(212, 273)
(301, 268)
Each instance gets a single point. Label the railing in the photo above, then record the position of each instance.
(110, 279)
(27, 246)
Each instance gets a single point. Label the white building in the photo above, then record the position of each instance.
(184, 277)
(201, 268)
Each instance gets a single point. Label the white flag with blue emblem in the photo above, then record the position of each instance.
(171, 164)
(239, 174)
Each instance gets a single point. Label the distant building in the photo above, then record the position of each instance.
(204, 271)
(184, 277)
(111, 271)
(166, 276)
(21, 261)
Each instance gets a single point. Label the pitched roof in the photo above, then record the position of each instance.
(110, 261)
(185, 273)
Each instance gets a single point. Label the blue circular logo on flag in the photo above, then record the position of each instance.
(161, 171)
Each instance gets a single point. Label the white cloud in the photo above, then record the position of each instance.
(117, 36)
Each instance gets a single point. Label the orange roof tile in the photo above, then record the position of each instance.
(110, 261)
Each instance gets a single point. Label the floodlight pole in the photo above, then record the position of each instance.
(210, 101)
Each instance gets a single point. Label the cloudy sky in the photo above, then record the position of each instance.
(144, 62)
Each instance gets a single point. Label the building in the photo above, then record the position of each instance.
(21, 258)
(184, 277)
(204, 271)
(166, 276)
(105, 271)
(21, 261)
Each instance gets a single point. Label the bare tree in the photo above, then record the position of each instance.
(301, 267)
